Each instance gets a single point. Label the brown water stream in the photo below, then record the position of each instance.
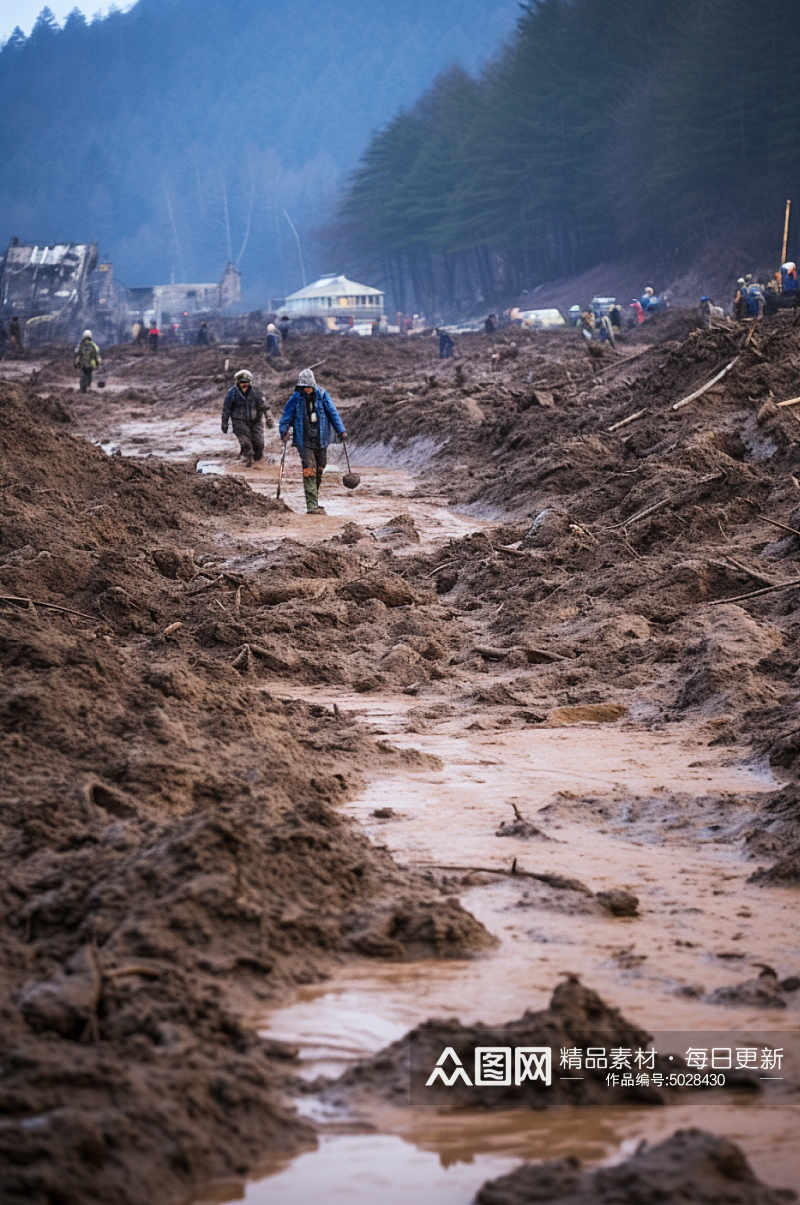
(689, 936)
(701, 925)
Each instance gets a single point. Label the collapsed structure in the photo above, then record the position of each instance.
(59, 288)
(164, 303)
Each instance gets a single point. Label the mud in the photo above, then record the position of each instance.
(575, 1016)
(691, 1167)
(202, 692)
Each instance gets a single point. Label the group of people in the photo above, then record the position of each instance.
(309, 415)
(752, 297)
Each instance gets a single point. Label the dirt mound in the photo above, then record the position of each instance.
(170, 848)
(576, 1017)
(690, 1168)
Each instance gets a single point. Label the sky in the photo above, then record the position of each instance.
(24, 12)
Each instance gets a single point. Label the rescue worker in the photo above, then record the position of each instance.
(311, 413)
(202, 338)
(446, 345)
(585, 324)
(740, 300)
(490, 324)
(15, 334)
(283, 328)
(755, 299)
(152, 337)
(273, 342)
(87, 358)
(648, 300)
(605, 329)
(789, 281)
(247, 411)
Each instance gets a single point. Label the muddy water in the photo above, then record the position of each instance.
(701, 926)
(384, 491)
(692, 936)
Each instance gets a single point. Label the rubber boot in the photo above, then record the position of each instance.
(310, 490)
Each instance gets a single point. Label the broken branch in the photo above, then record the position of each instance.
(782, 526)
(10, 598)
(717, 602)
(704, 388)
(630, 419)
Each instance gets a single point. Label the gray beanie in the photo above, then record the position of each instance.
(306, 377)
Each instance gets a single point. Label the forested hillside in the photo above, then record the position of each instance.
(604, 130)
(176, 133)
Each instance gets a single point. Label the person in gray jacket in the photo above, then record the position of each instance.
(247, 412)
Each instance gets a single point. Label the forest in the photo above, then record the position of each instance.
(602, 131)
(176, 134)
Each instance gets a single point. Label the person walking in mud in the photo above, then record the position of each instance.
(87, 358)
(248, 412)
(311, 414)
(15, 334)
(152, 338)
(274, 348)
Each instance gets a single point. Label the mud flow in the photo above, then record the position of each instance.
(508, 735)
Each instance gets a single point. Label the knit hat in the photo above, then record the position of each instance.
(306, 378)
(243, 375)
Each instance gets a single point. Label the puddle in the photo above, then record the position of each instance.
(689, 892)
(384, 491)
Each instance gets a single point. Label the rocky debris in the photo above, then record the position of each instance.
(398, 531)
(548, 526)
(690, 1168)
(765, 991)
(522, 829)
(417, 929)
(784, 873)
(619, 902)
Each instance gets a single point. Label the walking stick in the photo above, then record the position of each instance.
(280, 470)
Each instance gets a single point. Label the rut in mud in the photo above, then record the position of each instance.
(180, 743)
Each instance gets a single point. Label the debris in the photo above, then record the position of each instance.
(704, 388)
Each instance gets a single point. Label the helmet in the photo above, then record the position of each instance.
(306, 378)
(87, 334)
(272, 328)
(243, 375)
(649, 291)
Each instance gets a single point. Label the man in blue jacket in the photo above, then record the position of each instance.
(311, 414)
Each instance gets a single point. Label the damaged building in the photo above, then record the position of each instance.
(164, 304)
(58, 289)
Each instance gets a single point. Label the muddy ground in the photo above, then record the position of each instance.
(177, 850)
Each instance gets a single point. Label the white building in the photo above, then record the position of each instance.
(335, 297)
(170, 302)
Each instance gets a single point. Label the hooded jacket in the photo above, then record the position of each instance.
(294, 413)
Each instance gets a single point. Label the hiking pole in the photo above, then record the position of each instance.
(350, 479)
(280, 470)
